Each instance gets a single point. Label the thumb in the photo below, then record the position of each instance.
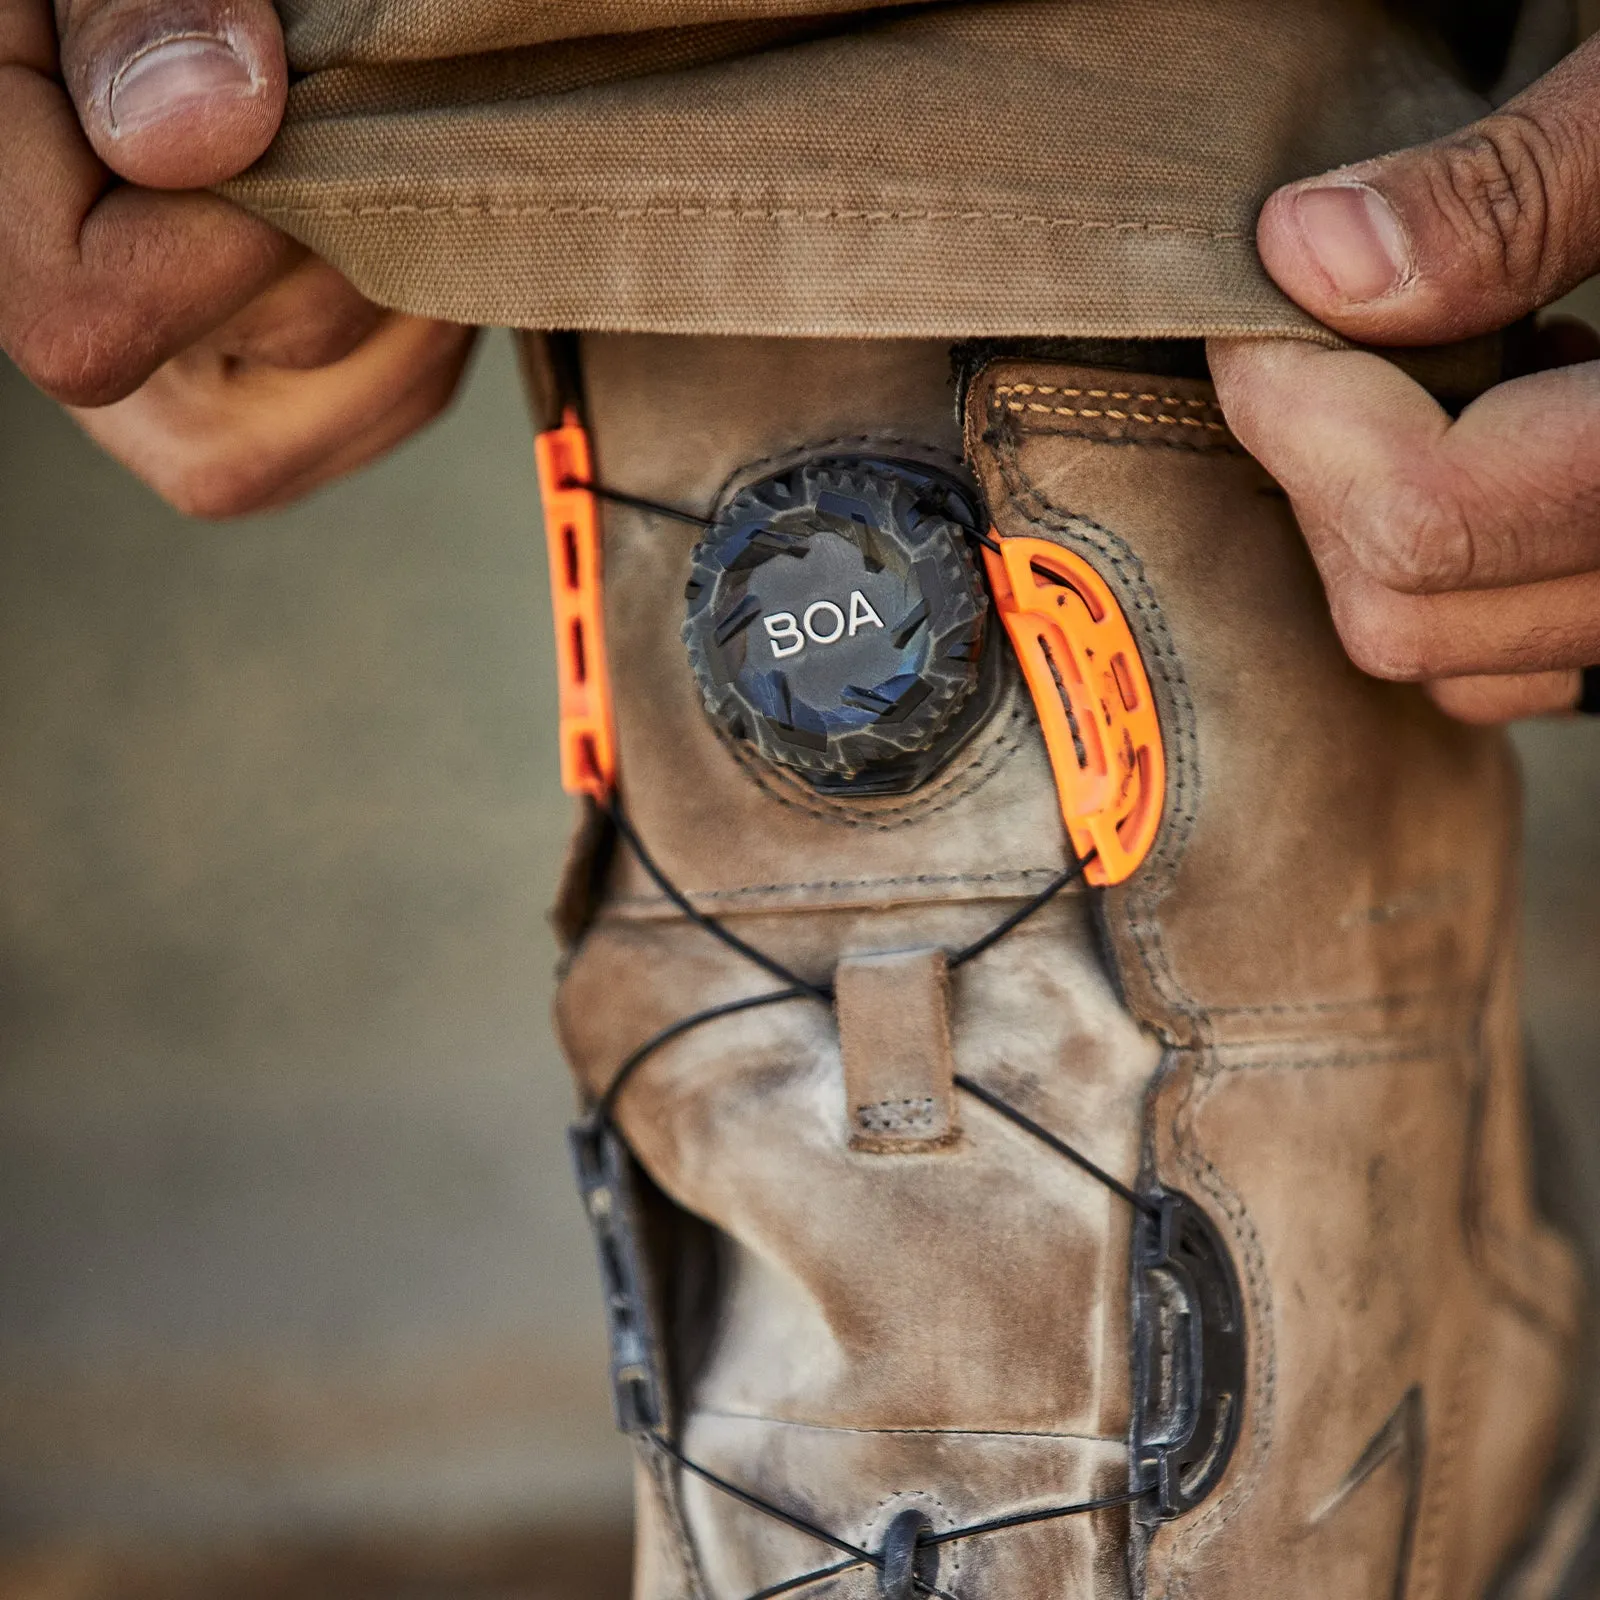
(1454, 238)
(174, 94)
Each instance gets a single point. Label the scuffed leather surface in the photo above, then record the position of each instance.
(1299, 1012)
(871, 1337)
(1322, 935)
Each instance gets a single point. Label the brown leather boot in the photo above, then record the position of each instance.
(1175, 1240)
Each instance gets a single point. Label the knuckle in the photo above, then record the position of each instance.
(1416, 538)
(1383, 642)
(80, 363)
(1494, 185)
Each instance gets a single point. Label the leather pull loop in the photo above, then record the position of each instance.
(894, 1043)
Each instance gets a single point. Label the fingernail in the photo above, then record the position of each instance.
(173, 74)
(1356, 239)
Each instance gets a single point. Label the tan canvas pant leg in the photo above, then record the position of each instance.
(879, 1294)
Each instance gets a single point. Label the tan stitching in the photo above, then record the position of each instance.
(1106, 394)
(698, 213)
(1155, 419)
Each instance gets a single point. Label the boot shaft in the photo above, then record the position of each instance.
(884, 1292)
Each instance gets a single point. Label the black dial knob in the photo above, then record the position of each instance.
(836, 622)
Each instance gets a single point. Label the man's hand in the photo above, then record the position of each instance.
(243, 371)
(1463, 554)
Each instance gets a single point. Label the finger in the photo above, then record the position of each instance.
(1535, 627)
(220, 440)
(102, 284)
(1386, 485)
(175, 94)
(1454, 238)
(311, 317)
(1489, 700)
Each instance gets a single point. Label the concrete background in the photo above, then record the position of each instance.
(287, 1250)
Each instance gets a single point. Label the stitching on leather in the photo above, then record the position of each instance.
(1358, 1003)
(1206, 435)
(1503, 1259)
(715, 213)
(668, 1489)
(1119, 1441)
(949, 1555)
(1143, 928)
(1021, 878)
(1440, 1474)
(1425, 1050)
(1147, 398)
(1252, 1257)
(1193, 444)
(1160, 419)
(914, 1115)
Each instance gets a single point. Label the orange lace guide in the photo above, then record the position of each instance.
(1093, 697)
(572, 535)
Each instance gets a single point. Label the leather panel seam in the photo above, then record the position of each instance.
(1023, 879)
(1118, 1441)
(1029, 501)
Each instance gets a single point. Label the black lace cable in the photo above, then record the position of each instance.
(1060, 1146)
(613, 809)
(1066, 877)
(799, 988)
(637, 502)
(858, 1556)
(606, 1103)
(790, 1584)
(1021, 1519)
(970, 1531)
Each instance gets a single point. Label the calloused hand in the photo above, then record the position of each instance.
(206, 350)
(1461, 553)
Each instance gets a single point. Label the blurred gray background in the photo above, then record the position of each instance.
(289, 1265)
(288, 1248)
